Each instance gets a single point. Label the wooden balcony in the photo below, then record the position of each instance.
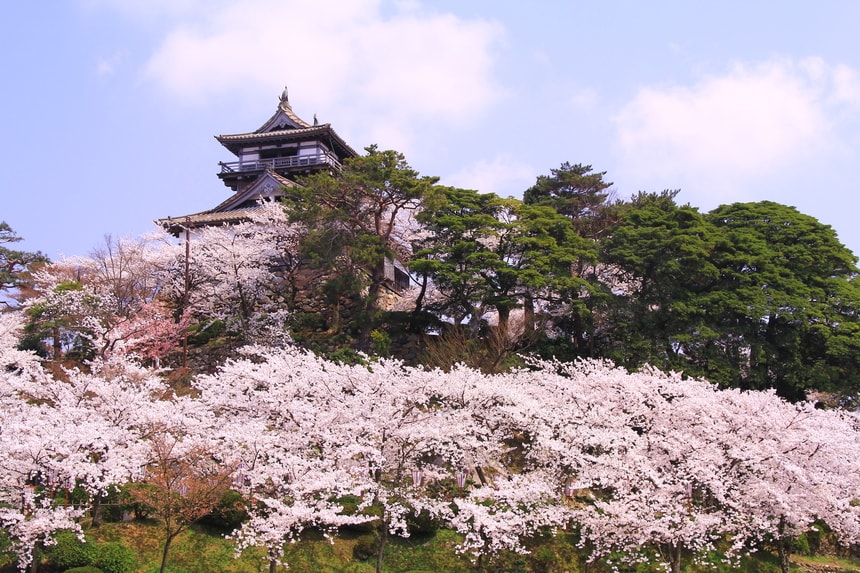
(282, 163)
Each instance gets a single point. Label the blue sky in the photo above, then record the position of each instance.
(110, 106)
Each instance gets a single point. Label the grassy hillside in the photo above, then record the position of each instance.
(202, 550)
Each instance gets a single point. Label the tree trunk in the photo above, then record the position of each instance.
(675, 555)
(480, 471)
(167, 543)
(578, 334)
(56, 342)
(783, 547)
(97, 510)
(383, 537)
(528, 315)
(36, 557)
(377, 278)
(419, 300)
(273, 564)
(504, 321)
(784, 556)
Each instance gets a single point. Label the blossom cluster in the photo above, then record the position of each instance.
(646, 464)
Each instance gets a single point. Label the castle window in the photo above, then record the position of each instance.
(401, 280)
(278, 152)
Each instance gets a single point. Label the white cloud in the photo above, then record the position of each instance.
(148, 10)
(381, 70)
(584, 99)
(846, 86)
(504, 175)
(108, 66)
(751, 122)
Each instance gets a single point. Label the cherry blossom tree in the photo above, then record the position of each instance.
(648, 465)
(658, 466)
(183, 481)
(33, 525)
(793, 465)
(239, 274)
(26, 447)
(111, 300)
(314, 431)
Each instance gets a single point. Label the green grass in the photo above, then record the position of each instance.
(822, 563)
(201, 550)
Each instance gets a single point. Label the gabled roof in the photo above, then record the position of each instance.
(176, 225)
(284, 117)
(323, 132)
(266, 186)
(285, 125)
(237, 207)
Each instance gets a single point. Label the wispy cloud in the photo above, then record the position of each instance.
(503, 175)
(584, 99)
(399, 65)
(108, 66)
(752, 121)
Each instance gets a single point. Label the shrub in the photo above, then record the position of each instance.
(380, 342)
(115, 557)
(365, 547)
(112, 508)
(130, 502)
(201, 334)
(422, 524)
(228, 515)
(350, 507)
(345, 356)
(69, 551)
(85, 569)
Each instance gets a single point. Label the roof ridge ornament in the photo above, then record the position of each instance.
(285, 96)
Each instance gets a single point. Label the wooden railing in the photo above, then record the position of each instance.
(281, 163)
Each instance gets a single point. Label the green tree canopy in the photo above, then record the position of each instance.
(788, 291)
(13, 263)
(483, 252)
(358, 219)
(658, 263)
(750, 295)
(578, 193)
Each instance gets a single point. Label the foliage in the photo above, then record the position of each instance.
(14, 264)
(70, 551)
(787, 286)
(658, 262)
(114, 557)
(228, 514)
(577, 193)
(635, 468)
(365, 547)
(752, 295)
(484, 254)
(359, 218)
(183, 480)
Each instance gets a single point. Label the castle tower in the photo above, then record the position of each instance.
(267, 160)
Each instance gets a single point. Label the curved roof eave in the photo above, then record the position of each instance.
(235, 142)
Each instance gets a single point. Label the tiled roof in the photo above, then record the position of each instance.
(254, 191)
(323, 131)
(242, 202)
(283, 114)
(277, 134)
(206, 218)
(283, 125)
